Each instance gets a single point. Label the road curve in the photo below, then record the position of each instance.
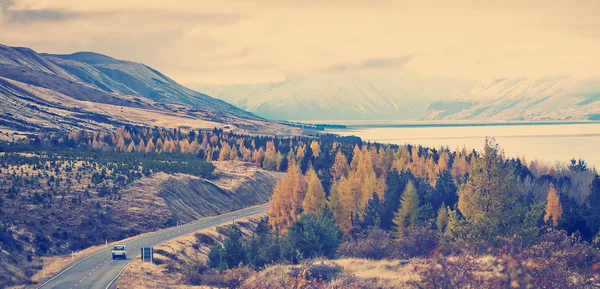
(98, 271)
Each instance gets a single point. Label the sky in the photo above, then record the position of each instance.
(234, 41)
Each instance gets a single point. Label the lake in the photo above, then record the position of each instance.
(548, 142)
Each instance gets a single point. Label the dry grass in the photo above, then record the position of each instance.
(399, 271)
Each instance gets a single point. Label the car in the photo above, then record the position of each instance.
(119, 251)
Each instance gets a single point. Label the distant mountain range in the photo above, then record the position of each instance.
(523, 99)
(348, 97)
(90, 90)
(406, 97)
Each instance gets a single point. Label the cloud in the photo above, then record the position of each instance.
(242, 41)
(370, 64)
(10, 15)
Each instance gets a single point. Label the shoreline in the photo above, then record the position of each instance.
(392, 124)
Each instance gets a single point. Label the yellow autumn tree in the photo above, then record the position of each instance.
(301, 152)
(150, 146)
(159, 145)
(131, 147)
(338, 209)
(353, 192)
(401, 159)
(224, 153)
(347, 195)
(340, 166)
(141, 146)
(553, 207)
(314, 202)
(270, 161)
(121, 144)
(184, 146)
(418, 166)
(288, 196)
(365, 178)
(443, 161)
(316, 148)
(460, 165)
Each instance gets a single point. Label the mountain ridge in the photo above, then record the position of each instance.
(87, 90)
(353, 97)
(523, 98)
(406, 97)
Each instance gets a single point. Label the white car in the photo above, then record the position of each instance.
(119, 251)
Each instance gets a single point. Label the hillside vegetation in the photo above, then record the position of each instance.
(345, 198)
(54, 200)
(471, 219)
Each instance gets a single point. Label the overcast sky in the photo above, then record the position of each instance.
(229, 41)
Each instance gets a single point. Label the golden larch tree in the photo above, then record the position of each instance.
(288, 196)
(314, 202)
(340, 166)
(443, 161)
(131, 147)
(316, 148)
(150, 146)
(401, 159)
(553, 207)
(141, 146)
(460, 165)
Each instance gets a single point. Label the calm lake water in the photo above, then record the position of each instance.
(550, 143)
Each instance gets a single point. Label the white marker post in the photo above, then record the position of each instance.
(106, 243)
(44, 271)
(72, 256)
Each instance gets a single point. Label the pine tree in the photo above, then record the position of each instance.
(215, 257)
(593, 203)
(553, 207)
(372, 215)
(489, 198)
(443, 193)
(234, 252)
(314, 202)
(408, 213)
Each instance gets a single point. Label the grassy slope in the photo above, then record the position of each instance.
(143, 206)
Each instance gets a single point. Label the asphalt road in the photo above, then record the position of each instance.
(98, 271)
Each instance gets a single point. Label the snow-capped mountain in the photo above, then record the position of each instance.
(546, 98)
(341, 97)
